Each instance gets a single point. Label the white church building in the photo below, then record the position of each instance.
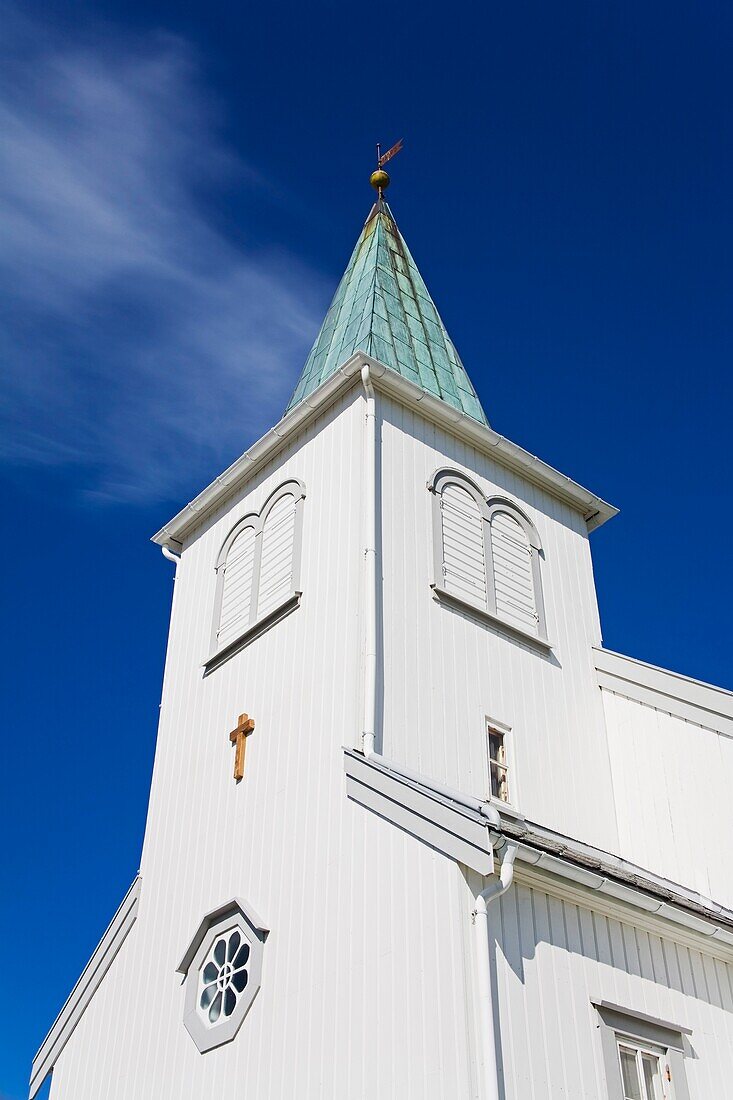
(413, 832)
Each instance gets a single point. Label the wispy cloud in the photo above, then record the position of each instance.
(137, 343)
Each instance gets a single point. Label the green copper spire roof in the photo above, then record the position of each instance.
(382, 307)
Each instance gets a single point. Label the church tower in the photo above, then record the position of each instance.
(383, 711)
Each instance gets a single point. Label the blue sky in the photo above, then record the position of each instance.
(180, 189)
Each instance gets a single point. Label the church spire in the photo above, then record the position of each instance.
(382, 307)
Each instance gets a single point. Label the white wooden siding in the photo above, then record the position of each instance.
(403, 987)
(552, 956)
(512, 559)
(446, 671)
(236, 599)
(343, 952)
(276, 571)
(464, 564)
(370, 942)
(672, 782)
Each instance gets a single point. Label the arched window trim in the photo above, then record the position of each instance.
(509, 508)
(443, 477)
(440, 481)
(256, 520)
(503, 504)
(488, 508)
(252, 519)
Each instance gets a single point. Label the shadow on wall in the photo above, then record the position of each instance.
(550, 958)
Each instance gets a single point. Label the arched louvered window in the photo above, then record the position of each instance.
(237, 581)
(461, 528)
(511, 557)
(464, 560)
(258, 567)
(278, 542)
(515, 565)
(487, 554)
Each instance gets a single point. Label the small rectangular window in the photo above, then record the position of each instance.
(643, 1056)
(642, 1071)
(498, 764)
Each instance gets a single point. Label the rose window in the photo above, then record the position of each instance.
(222, 969)
(224, 977)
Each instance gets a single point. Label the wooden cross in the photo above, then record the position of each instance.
(239, 737)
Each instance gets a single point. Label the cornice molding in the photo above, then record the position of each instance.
(594, 510)
(550, 861)
(692, 700)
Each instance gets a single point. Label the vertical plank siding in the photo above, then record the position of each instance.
(368, 973)
(448, 670)
(360, 998)
(672, 782)
(552, 957)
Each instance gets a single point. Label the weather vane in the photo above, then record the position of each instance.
(379, 179)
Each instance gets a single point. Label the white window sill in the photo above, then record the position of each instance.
(481, 613)
(254, 630)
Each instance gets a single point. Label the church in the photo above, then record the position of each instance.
(413, 831)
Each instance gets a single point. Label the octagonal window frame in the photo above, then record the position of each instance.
(234, 916)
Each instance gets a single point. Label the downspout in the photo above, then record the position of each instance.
(167, 553)
(370, 566)
(487, 1037)
(170, 555)
(498, 885)
(368, 736)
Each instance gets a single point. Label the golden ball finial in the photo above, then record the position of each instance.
(379, 180)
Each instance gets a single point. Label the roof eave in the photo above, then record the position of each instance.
(86, 986)
(175, 531)
(419, 807)
(707, 705)
(594, 509)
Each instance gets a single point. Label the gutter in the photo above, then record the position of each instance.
(656, 898)
(595, 510)
(420, 808)
(253, 459)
